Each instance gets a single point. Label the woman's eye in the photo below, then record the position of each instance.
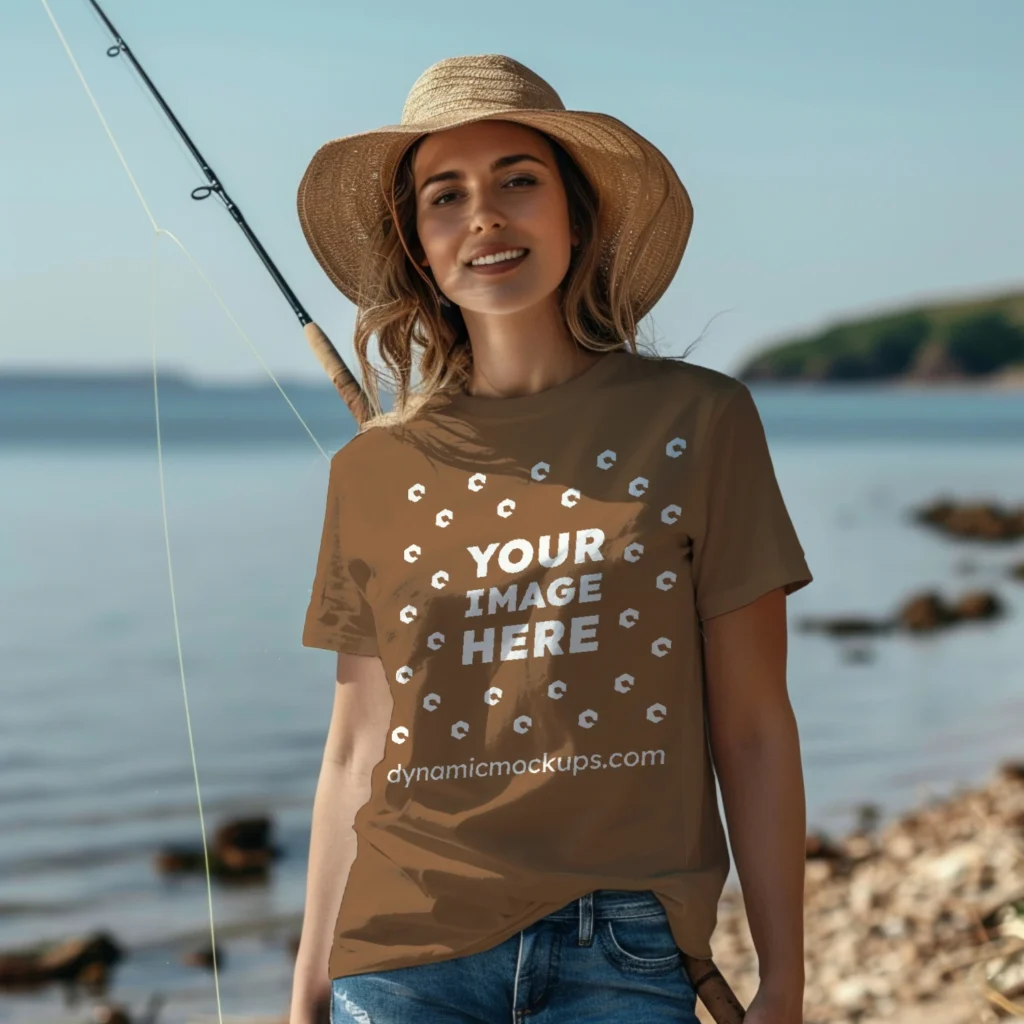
(527, 179)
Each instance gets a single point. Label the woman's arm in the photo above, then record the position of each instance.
(756, 750)
(355, 743)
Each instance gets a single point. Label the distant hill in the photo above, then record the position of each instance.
(70, 408)
(980, 339)
(106, 381)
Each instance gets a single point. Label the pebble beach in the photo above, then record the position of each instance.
(921, 920)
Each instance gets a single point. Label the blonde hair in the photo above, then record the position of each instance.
(402, 305)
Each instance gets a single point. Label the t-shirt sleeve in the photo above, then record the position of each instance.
(746, 543)
(339, 617)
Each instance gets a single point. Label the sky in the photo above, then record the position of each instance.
(842, 158)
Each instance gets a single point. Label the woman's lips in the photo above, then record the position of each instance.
(499, 268)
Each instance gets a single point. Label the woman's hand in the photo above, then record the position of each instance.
(312, 1010)
(773, 1007)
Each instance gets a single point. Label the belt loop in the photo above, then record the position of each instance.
(586, 902)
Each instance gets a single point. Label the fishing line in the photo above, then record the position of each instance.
(163, 231)
(174, 613)
(154, 285)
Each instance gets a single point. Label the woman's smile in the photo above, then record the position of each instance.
(502, 264)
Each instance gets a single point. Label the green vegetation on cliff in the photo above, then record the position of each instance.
(956, 340)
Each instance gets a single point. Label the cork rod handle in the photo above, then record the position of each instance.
(714, 991)
(345, 383)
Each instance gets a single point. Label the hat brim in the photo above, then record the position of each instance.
(341, 197)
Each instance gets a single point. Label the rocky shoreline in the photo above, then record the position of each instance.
(930, 610)
(921, 920)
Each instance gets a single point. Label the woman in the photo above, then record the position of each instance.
(555, 577)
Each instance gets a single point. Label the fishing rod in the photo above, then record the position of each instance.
(347, 386)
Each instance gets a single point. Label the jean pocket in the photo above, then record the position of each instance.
(641, 944)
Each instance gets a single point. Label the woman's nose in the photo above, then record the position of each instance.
(485, 215)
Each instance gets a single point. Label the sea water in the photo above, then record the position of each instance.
(95, 765)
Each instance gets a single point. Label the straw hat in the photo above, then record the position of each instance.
(341, 195)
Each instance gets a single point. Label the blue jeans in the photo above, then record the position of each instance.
(608, 956)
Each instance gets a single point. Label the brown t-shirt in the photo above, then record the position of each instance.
(532, 572)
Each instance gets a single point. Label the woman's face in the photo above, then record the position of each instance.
(492, 187)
